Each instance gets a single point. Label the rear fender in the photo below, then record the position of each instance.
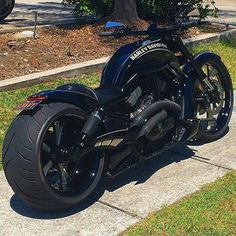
(75, 94)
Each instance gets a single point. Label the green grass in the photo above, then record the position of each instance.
(9, 100)
(209, 212)
(227, 51)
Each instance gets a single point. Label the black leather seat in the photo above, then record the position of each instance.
(106, 94)
(103, 94)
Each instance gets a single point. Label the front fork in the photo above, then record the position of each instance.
(196, 67)
(211, 90)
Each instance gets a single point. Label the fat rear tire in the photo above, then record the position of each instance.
(21, 158)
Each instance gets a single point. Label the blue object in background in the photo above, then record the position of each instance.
(111, 24)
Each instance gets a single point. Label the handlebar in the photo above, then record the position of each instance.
(124, 32)
(193, 23)
(153, 30)
(105, 34)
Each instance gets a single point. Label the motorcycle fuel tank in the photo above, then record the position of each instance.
(132, 58)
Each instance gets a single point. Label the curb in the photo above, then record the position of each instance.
(95, 65)
(21, 29)
(212, 37)
(65, 71)
(66, 23)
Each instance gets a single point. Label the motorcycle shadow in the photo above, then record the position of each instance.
(139, 174)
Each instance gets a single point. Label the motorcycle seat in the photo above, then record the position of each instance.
(106, 94)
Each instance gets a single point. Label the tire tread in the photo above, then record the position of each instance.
(19, 161)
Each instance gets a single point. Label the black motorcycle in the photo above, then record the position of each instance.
(6, 7)
(153, 95)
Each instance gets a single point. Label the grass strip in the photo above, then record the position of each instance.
(211, 212)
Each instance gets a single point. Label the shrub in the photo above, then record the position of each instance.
(98, 7)
(170, 9)
(148, 9)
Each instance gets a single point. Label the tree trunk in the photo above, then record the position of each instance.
(126, 11)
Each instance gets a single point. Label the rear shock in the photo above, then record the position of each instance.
(89, 130)
(92, 124)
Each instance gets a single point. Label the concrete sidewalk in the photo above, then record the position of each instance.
(120, 202)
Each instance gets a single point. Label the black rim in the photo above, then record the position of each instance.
(217, 115)
(66, 177)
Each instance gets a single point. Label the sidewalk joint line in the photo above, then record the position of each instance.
(134, 215)
(207, 162)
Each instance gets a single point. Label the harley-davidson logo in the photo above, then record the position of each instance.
(143, 50)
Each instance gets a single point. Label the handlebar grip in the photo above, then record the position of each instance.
(106, 34)
(194, 23)
(123, 33)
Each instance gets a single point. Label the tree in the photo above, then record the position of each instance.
(125, 10)
(129, 10)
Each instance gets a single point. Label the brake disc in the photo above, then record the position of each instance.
(215, 107)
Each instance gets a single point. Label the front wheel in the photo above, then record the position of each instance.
(33, 158)
(214, 110)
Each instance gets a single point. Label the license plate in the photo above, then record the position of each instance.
(29, 105)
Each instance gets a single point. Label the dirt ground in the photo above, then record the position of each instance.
(57, 47)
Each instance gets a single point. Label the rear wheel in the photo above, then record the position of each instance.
(6, 7)
(34, 161)
(214, 111)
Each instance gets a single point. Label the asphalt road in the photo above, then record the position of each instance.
(49, 12)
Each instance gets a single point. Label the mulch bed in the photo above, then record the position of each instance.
(56, 47)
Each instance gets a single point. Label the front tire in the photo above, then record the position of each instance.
(34, 171)
(221, 112)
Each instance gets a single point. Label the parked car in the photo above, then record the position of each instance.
(6, 7)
